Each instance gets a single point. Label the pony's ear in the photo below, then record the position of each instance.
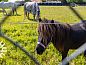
(39, 19)
(52, 21)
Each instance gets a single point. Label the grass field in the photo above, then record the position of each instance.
(26, 35)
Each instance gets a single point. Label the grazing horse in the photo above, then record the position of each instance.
(63, 36)
(12, 5)
(31, 7)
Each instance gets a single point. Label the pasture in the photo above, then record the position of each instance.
(26, 35)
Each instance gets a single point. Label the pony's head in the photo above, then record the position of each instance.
(45, 30)
(52, 31)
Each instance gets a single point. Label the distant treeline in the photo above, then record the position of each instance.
(4, 0)
(77, 1)
(16, 0)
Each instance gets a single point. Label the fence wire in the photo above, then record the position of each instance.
(27, 53)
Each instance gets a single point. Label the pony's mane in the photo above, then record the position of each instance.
(57, 29)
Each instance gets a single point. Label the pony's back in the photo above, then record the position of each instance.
(8, 4)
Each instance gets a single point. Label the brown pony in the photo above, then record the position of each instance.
(63, 36)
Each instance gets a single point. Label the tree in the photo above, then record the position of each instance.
(63, 1)
(78, 1)
(4, 0)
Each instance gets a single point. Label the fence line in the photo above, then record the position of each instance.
(38, 23)
(76, 13)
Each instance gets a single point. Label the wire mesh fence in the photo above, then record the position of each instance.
(24, 34)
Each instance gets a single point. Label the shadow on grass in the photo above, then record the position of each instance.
(31, 19)
(13, 15)
(34, 20)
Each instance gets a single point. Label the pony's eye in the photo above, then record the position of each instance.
(41, 40)
(38, 31)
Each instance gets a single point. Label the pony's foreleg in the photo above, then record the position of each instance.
(25, 14)
(28, 15)
(12, 10)
(15, 10)
(34, 16)
(4, 11)
(64, 55)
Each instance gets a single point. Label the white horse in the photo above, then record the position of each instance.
(31, 7)
(12, 5)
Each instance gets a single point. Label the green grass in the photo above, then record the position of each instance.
(26, 35)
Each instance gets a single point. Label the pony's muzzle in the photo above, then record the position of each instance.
(40, 49)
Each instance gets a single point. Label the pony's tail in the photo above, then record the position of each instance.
(24, 10)
(24, 7)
